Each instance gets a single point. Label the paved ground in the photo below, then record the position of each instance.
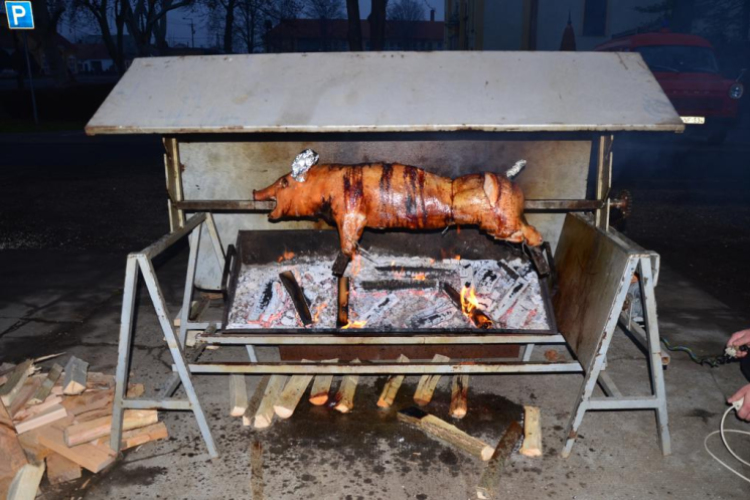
(62, 265)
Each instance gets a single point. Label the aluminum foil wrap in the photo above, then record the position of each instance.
(302, 163)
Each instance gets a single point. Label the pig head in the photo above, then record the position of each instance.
(294, 199)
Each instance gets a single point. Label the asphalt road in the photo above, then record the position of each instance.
(67, 192)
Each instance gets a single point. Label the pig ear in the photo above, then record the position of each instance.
(491, 188)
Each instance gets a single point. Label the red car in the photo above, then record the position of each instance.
(686, 67)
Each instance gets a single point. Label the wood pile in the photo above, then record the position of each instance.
(59, 422)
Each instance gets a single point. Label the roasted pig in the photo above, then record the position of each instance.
(384, 196)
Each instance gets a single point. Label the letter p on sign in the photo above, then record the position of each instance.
(19, 15)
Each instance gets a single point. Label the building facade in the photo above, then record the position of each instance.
(538, 24)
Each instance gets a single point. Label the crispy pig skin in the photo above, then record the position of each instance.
(385, 196)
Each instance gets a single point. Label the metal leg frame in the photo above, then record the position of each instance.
(614, 399)
(142, 261)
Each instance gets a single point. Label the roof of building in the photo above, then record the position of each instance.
(338, 29)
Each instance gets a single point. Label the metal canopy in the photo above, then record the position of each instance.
(387, 92)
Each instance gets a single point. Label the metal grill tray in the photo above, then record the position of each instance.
(395, 283)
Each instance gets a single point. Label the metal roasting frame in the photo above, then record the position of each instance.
(638, 262)
(233, 122)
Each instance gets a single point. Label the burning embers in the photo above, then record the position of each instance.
(385, 292)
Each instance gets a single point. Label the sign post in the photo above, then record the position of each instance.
(21, 17)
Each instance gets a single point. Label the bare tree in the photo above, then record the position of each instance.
(406, 10)
(47, 17)
(355, 26)
(376, 19)
(325, 9)
(101, 11)
(222, 13)
(250, 17)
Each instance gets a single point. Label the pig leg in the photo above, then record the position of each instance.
(350, 231)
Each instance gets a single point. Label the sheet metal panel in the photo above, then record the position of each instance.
(593, 275)
(387, 92)
(231, 170)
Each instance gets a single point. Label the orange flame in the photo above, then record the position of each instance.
(420, 277)
(354, 324)
(457, 257)
(318, 310)
(286, 256)
(469, 301)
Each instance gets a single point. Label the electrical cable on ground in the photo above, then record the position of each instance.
(722, 431)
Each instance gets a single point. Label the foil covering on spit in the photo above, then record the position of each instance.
(302, 163)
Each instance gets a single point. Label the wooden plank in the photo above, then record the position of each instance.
(459, 396)
(33, 411)
(345, 395)
(10, 389)
(75, 376)
(428, 383)
(26, 483)
(12, 457)
(61, 470)
(137, 437)
(88, 431)
(52, 377)
(254, 403)
(321, 386)
(91, 457)
(532, 430)
(442, 430)
(237, 395)
(489, 483)
(23, 396)
(392, 385)
(98, 380)
(291, 395)
(53, 414)
(88, 401)
(264, 416)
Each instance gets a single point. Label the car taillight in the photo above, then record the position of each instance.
(736, 90)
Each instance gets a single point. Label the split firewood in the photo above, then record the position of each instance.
(53, 414)
(237, 395)
(17, 378)
(12, 457)
(264, 416)
(321, 386)
(489, 483)
(345, 394)
(33, 411)
(91, 457)
(23, 396)
(459, 392)
(291, 395)
(99, 380)
(61, 470)
(532, 429)
(255, 400)
(44, 390)
(428, 383)
(26, 483)
(75, 376)
(89, 431)
(392, 385)
(137, 437)
(442, 430)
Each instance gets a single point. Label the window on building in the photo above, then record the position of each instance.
(595, 17)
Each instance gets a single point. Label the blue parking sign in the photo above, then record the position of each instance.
(19, 15)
